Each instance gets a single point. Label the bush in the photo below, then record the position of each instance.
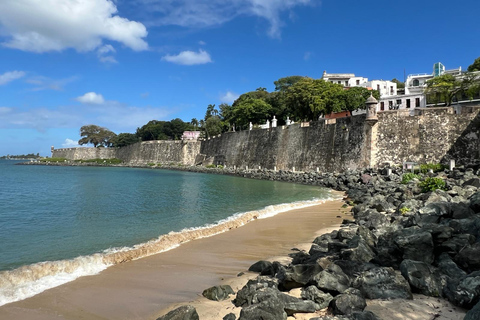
(53, 159)
(431, 184)
(434, 166)
(211, 166)
(407, 177)
(151, 164)
(404, 210)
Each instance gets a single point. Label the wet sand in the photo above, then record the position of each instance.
(144, 288)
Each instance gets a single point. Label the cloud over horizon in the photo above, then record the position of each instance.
(91, 98)
(229, 97)
(55, 25)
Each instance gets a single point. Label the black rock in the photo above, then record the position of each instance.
(415, 244)
(365, 315)
(332, 279)
(449, 268)
(346, 304)
(246, 295)
(265, 310)
(465, 292)
(469, 257)
(260, 266)
(383, 283)
(321, 298)
(181, 313)
(422, 277)
(218, 293)
(230, 316)
(297, 276)
(474, 313)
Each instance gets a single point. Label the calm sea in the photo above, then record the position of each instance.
(59, 223)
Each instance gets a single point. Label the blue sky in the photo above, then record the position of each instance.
(122, 63)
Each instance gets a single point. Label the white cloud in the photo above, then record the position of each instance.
(10, 76)
(5, 110)
(55, 25)
(105, 52)
(229, 97)
(44, 83)
(69, 143)
(202, 43)
(91, 98)
(107, 59)
(307, 55)
(189, 58)
(204, 13)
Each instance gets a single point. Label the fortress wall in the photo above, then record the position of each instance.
(330, 145)
(433, 135)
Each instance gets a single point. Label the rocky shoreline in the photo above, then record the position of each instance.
(402, 240)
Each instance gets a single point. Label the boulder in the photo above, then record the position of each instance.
(453, 245)
(449, 268)
(265, 310)
(297, 276)
(246, 295)
(415, 244)
(260, 266)
(332, 279)
(230, 316)
(321, 298)
(181, 313)
(346, 304)
(218, 293)
(465, 292)
(358, 250)
(382, 283)
(469, 257)
(475, 202)
(422, 277)
(365, 315)
(474, 313)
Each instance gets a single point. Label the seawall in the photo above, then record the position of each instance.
(431, 135)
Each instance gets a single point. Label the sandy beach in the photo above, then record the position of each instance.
(146, 288)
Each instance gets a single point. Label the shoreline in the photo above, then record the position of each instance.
(48, 301)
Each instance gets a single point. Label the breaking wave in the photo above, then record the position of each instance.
(27, 281)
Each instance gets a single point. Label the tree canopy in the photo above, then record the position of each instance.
(96, 135)
(446, 88)
(475, 66)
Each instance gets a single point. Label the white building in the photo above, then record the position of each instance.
(416, 83)
(385, 88)
(345, 79)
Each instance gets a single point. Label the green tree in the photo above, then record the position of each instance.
(124, 139)
(475, 66)
(210, 111)
(194, 123)
(174, 129)
(400, 84)
(356, 97)
(251, 110)
(153, 130)
(446, 87)
(213, 126)
(283, 84)
(96, 135)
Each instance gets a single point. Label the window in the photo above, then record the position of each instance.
(399, 101)
(390, 105)
(408, 103)
(391, 89)
(416, 83)
(357, 82)
(346, 83)
(382, 106)
(417, 102)
(378, 87)
(339, 82)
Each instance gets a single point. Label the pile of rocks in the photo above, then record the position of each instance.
(401, 241)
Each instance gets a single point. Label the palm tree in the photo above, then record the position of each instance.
(194, 122)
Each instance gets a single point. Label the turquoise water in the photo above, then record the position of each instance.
(50, 213)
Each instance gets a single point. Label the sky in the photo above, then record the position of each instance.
(121, 63)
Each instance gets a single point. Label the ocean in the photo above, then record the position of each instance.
(61, 223)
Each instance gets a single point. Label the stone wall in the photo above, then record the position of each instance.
(84, 153)
(329, 145)
(141, 153)
(182, 152)
(433, 135)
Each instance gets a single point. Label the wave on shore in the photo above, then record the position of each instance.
(27, 281)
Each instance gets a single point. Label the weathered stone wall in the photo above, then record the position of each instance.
(330, 145)
(84, 153)
(183, 152)
(433, 135)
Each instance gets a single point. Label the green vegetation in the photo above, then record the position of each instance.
(96, 135)
(151, 164)
(407, 177)
(58, 159)
(433, 166)
(101, 161)
(404, 210)
(475, 66)
(431, 184)
(21, 156)
(446, 88)
(210, 166)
